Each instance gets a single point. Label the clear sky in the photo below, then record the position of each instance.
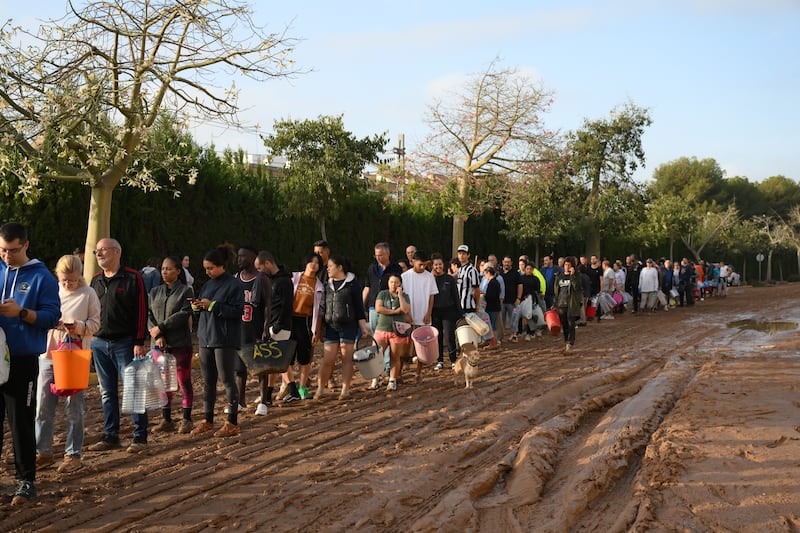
(721, 77)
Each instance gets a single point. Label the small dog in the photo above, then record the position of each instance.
(468, 364)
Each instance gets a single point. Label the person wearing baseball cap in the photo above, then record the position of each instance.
(468, 281)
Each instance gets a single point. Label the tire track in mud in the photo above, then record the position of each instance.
(184, 475)
(457, 520)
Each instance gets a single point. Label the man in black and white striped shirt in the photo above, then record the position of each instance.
(468, 281)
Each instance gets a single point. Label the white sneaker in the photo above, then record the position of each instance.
(392, 385)
(241, 410)
(439, 366)
(527, 337)
(375, 383)
(567, 347)
(262, 409)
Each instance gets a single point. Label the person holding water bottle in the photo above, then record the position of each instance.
(168, 321)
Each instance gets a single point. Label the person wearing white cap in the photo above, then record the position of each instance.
(468, 281)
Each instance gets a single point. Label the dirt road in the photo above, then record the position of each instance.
(675, 421)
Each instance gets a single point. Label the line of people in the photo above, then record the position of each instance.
(120, 319)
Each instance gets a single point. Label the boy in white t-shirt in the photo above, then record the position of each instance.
(420, 285)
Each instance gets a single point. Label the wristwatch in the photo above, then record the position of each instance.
(22, 313)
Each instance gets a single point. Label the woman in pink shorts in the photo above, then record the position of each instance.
(393, 305)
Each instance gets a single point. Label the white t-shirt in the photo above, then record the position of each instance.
(609, 280)
(419, 288)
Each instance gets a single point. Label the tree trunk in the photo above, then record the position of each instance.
(671, 249)
(322, 229)
(458, 217)
(593, 241)
(99, 226)
(458, 232)
(769, 266)
(797, 250)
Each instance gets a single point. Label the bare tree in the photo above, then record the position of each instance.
(78, 97)
(707, 228)
(777, 234)
(491, 129)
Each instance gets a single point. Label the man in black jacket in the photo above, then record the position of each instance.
(279, 323)
(634, 268)
(120, 339)
(377, 280)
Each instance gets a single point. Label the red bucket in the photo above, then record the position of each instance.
(591, 311)
(553, 322)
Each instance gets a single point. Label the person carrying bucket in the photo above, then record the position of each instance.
(568, 300)
(80, 309)
(393, 305)
(421, 287)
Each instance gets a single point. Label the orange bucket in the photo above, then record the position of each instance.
(553, 322)
(71, 368)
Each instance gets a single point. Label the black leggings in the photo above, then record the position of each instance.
(444, 320)
(567, 325)
(218, 363)
(301, 333)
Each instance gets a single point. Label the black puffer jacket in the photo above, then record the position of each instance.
(221, 326)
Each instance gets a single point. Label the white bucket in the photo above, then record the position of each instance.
(478, 324)
(465, 335)
(369, 361)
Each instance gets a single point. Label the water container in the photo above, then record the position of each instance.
(168, 368)
(133, 388)
(140, 387)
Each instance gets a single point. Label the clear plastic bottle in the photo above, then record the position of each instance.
(169, 371)
(128, 388)
(140, 387)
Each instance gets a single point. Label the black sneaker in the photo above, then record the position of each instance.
(25, 491)
(291, 397)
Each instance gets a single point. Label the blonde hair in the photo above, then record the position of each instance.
(70, 264)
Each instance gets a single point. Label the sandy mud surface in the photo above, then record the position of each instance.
(687, 420)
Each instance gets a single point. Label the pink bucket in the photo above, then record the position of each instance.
(617, 298)
(425, 344)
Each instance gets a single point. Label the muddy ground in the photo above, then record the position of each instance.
(684, 420)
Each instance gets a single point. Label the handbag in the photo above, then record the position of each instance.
(270, 357)
(403, 329)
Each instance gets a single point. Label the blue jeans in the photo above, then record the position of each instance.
(46, 403)
(110, 359)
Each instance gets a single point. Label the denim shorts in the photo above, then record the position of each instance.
(345, 335)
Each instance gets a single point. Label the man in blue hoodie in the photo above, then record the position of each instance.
(29, 307)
